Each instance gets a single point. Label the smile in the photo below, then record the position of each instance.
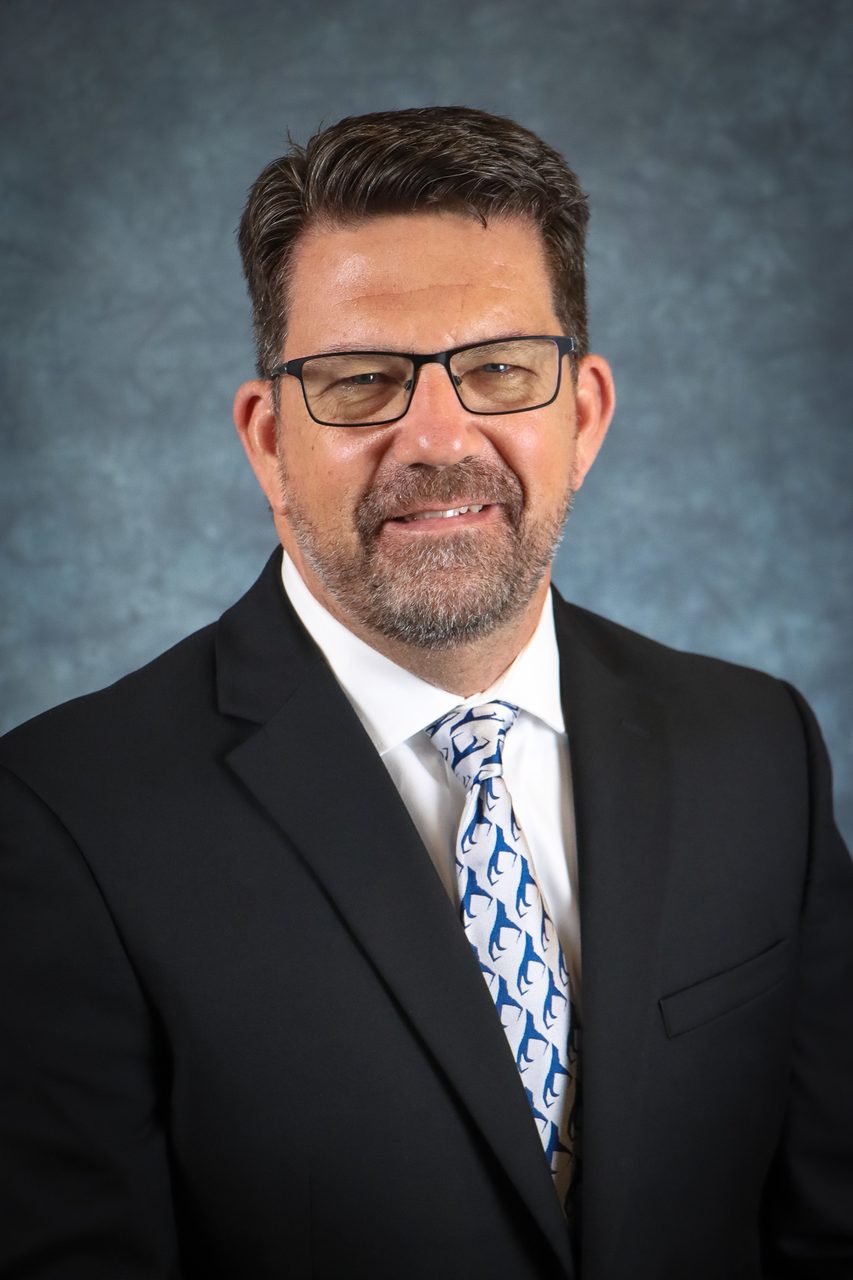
(448, 514)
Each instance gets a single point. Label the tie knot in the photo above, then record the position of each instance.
(471, 740)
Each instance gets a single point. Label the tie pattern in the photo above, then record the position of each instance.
(508, 927)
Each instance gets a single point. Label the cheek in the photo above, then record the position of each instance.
(329, 472)
(542, 456)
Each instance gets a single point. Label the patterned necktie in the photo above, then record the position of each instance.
(508, 927)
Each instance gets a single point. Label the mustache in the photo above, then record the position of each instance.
(473, 480)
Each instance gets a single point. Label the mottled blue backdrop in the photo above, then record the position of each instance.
(714, 140)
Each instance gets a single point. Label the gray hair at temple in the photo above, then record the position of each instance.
(423, 159)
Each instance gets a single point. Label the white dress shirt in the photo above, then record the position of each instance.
(395, 706)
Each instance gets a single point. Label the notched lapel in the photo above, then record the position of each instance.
(620, 772)
(387, 892)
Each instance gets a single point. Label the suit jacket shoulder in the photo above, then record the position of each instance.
(702, 696)
(187, 702)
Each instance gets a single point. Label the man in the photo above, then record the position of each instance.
(410, 921)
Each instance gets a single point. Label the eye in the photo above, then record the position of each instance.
(365, 379)
(501, 368)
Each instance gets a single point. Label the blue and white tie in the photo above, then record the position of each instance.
(508, 927)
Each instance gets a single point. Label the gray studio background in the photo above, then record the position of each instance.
(714, 141)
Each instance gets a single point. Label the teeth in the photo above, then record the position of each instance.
(442, 515)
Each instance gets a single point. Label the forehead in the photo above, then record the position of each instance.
(419, 282)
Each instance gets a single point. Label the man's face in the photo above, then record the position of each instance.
(357, 507)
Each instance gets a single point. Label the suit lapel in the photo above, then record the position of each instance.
(361, 845)
(620, 773)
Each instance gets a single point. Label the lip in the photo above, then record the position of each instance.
(434, 522)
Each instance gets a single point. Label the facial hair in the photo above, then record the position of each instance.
(435, 591)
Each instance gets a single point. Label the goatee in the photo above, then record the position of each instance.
(440, 590)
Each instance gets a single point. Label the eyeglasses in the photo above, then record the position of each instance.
(375, 388)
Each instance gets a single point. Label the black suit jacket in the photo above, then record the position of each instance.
(243, 1034)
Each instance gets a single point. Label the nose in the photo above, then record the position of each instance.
(436, 431)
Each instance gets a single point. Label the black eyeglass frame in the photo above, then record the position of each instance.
(293, 368)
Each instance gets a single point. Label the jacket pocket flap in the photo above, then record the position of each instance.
(702, 1001)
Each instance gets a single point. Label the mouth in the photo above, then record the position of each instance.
(474, 497)
(444, 513)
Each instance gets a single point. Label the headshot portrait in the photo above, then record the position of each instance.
(426, 778)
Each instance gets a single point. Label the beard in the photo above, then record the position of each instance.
(435, 591)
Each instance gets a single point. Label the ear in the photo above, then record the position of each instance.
(595, 400)
(254, 418)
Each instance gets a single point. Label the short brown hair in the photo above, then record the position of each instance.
(439, 159)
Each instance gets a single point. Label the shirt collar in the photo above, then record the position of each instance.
(392, 703)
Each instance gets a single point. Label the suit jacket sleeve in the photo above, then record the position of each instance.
(84, 1179)
(809, 1201)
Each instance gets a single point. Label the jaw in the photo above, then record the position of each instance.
(455, 608)
(449, 594)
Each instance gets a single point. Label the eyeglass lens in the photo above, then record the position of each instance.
(495, 377)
